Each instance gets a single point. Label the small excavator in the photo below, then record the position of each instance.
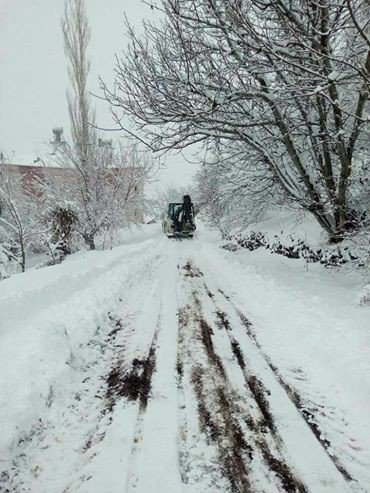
(179, 220)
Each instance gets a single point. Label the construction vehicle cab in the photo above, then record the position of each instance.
(179, 220)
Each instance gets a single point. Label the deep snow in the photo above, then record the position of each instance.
(63, 329)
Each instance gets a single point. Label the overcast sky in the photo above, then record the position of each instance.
(33, 68)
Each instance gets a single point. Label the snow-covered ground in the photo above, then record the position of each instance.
(176, 366)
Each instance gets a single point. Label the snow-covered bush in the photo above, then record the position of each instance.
(8, 260)
(16, 216)
(364, 297)
(4, 262)
(294, 247)
(105, 195)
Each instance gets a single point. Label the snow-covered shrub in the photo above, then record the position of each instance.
(4, 261)
(21, 215)
(364, 297)
(63, 220)
(294, 247)
(8, 262)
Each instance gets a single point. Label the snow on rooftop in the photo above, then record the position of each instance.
(42, 159)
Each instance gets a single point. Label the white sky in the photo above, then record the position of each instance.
(33, 68)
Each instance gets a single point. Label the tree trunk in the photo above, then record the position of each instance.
(90, 241)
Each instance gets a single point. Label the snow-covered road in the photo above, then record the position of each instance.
(161, 367)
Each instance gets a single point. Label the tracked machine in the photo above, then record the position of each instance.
(179, 220)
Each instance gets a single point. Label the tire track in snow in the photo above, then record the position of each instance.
(293, 394)
(197, 430)
(223, 419)
(183, 424)
(136, 435)
(153, 463)
(129, 379)
(271, 450)
(139, 386)
(219, 310)
(199, 456)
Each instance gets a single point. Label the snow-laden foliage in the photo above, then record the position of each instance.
(19, 219)
(285, 82)
(7, 260)
(231, 195)
(106, 192)
(106, 184)
(294, 247)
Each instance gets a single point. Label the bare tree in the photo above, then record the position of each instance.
(283, 81)
(109, 194)
(76, 35)
(105, 184)
(81, 155)
(230, 195)
(18, 218)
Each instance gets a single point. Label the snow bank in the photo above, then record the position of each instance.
(285, 224)
(298, 236)
(46, 316)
